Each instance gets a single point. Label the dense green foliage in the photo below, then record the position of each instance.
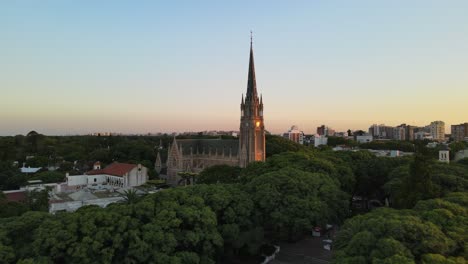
(290, 202)
(195, 224)
(425, 178)
(434, 230)
(232, 212)
(34, 201)
(232, 216)
(49, 176)
(335, 141)
(276, 144)
(10, 177)
(170, 227)
(219, 174)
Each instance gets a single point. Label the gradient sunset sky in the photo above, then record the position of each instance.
(76, 67)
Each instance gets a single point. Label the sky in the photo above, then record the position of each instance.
(77, 67)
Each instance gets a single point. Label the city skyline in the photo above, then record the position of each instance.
(78, 68)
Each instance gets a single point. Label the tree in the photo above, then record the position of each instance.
(66, 166)
(101, 155)
(290, 202)
(219, 174)
(131, 196)
(38, 200)
(49, 176)
(463, 161)
(37, 161)
(457, 146)
(418, 185)
(187, 178)
(9, 209)
(334, 141)
(386, 235)
(10, 177)
(277, 144)
(234, 211)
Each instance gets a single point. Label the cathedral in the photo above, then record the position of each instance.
(194, 155)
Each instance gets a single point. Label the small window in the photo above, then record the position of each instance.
(95, 180)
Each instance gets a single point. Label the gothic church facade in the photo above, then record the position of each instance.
(194, 155)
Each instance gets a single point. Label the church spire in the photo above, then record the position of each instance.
(251, 83)
(252, 128)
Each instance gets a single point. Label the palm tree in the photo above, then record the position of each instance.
(187, 178)
(130, 196)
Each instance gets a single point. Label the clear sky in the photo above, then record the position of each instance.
(70, 67)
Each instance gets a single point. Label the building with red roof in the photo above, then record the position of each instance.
(15, 195)
(116, 174)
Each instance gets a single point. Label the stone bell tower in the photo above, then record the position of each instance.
(252, 128)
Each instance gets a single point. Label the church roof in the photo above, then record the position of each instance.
(207, 145)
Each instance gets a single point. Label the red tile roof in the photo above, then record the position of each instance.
(116, 169)
(15, 196)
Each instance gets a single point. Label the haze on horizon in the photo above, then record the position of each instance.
(76, 67)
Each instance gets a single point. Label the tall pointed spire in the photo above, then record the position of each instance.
(251, 83)
(252, 128)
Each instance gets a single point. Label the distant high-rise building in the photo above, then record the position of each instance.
(381, 131)
(294, 134)
(325, 131)
(459, 132)
(374, 130)
(437, 130)
(409, 132)
(399, 133)
(321, 130)
(404, 132)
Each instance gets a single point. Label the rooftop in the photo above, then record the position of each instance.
(212, 146)
(29, 170)
(115, 169)
(15, 195)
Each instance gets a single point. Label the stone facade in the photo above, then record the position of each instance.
(194, 155)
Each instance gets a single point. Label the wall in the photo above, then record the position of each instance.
(100, 179)
(77, 180)
(72, 206)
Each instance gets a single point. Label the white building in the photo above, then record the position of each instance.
(421, 135)
(364, 138)
(294, 134)
(116, 175)
(320, 140)
(444, 156)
